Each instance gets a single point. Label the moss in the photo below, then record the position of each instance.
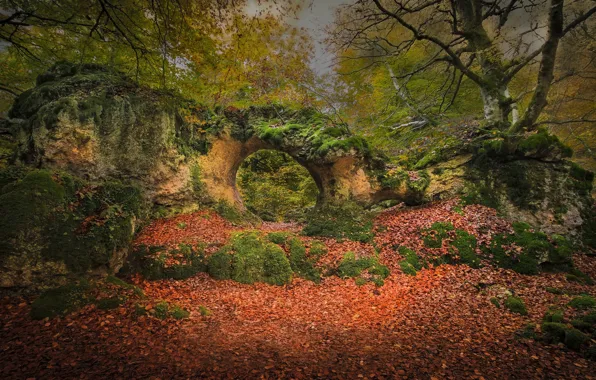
(25, 207)
(140, 310)
(278, 237)
(204, 311)
(234, 215)
(411, 264)
(535, 247)
(555, 290)
(528, 332)
(575, 275)
(575, 339)
(253, 260)
(220, 265)
(515, 305)
(554, 315)
(583, 302)
(164, 310)
(153, 264)
(179, 313)
(466, 248)
(368, 268)
(277, 268)
(542, 144)
(12, 174)
(118, 282)
(60, 301)
(391, 179)
(433, 237)
(495, 301)
(110, 302)
(302, 265)
(416, 185)
(161, 310)
(345, 220)
(554, 332)
(317, 249)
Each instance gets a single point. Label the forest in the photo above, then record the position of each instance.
(297, 189)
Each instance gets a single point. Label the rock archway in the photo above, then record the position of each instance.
(338, 178)
(99, 125)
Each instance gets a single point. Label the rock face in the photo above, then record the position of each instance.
(105, 151)
(98, 125)
(554, 197)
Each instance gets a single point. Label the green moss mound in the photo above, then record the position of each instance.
(412, 263)
(155, 262)
(340, 221)
(249, 258)
(536, 248)
(434, 236)
(583, 302)
(516, 305)
(364, 268)
(165, 310)
(301, 263)
(60, 301)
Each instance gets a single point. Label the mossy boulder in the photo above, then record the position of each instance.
(54, 226)
(250, 258)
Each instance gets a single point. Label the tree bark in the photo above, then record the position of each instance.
(546, 71)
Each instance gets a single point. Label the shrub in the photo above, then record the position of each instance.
(583, 302)
(516, 305)
(60, 301)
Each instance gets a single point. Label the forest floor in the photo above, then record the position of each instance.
(439, 324)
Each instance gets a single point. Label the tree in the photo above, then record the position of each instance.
(482, 41)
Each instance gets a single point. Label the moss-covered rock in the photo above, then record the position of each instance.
(156, 262)
(302, 264)
(249, 258)
(54, 226)
(535, 251)
(60, 301)
(516, 305)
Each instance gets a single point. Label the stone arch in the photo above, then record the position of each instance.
(340, 178)
(99, 125)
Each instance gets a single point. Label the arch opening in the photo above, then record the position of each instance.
(276, 187)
